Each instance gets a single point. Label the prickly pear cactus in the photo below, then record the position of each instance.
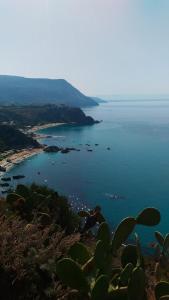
(100, 289)
(140, 258)
(72, 275)
(104, 234)
(126, 274)
(89, 267)
(122, 232)
(161, 289)
(118, 294)
(166, 242)
(159, 238)
(136, 287)
(79, 253)
(149, 216)
(100, 255)
(129, 255)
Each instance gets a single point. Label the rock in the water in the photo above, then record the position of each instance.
(66, 150)
(52, 149)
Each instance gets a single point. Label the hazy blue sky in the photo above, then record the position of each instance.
(100, 46)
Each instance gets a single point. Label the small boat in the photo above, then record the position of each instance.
(4, 184)
(18, 176)
(115, 196)
(6, 178)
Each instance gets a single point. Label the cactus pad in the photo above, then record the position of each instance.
(129, 255)
(71, 274)
(79, 253)
(100, 289)
(122, 232)
(149, 216)
(161, 289)
(104, 233)
(136, 288)
(159, 238)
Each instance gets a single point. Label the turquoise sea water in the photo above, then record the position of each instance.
(136, 168)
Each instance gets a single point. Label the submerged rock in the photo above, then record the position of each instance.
(66, 150)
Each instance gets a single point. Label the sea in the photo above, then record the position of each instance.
(127, 169)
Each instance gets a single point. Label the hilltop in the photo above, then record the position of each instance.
(21, 90)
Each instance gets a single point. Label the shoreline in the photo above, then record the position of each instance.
(16, 158)
(44, 126)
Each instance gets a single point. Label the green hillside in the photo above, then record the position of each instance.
(20, 90)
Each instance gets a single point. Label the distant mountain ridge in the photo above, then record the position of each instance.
(21, 90)
(98, 100)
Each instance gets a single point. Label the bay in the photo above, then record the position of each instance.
(133, 174)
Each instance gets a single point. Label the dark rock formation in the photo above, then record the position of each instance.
(51, 149)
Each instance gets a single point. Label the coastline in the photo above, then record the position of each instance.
(44, 126)
(20, 155)
(16, 158)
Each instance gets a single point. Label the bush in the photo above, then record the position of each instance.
(28, 257)
(31, 202)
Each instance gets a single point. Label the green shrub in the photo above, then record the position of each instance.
(30, 202)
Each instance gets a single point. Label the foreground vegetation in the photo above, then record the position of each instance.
(43, 255)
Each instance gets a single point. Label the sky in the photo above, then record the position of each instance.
(100, 46)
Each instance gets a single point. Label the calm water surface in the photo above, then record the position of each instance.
(136, 168)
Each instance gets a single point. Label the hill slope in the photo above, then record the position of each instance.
(12, 138)
(20, 90)
(33, 115)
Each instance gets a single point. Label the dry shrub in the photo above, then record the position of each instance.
(28, 256)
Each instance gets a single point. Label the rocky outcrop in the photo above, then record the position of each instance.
(56, 149)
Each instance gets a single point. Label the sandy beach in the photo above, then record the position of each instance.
(39, 127)
(17, 158)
